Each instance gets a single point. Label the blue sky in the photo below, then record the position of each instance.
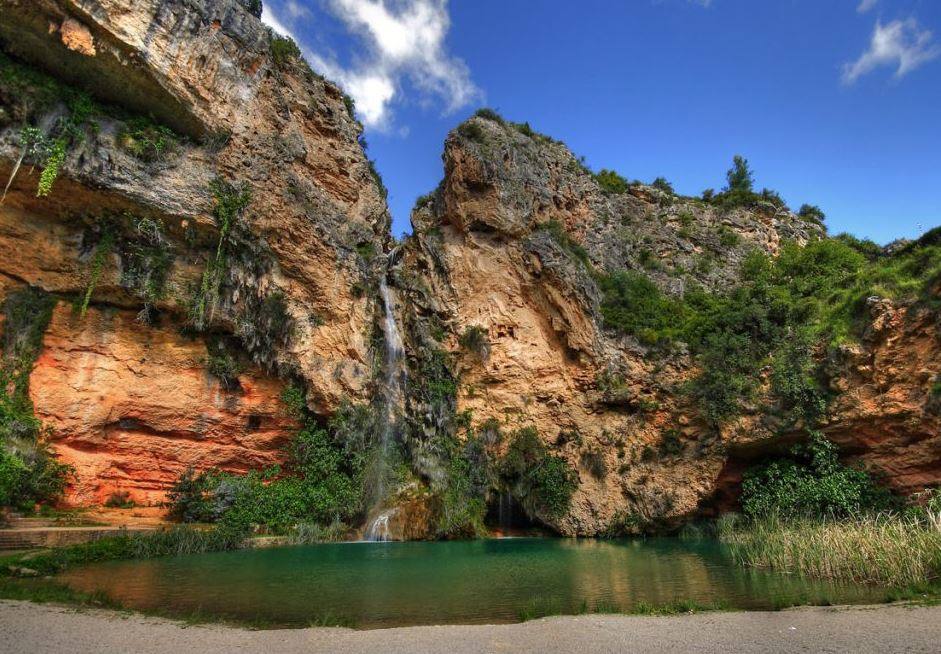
(834, 102)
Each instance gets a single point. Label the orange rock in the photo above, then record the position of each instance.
(131, 407)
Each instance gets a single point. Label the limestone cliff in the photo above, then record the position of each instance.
(192, 227)
(507, 243)
(202, 141)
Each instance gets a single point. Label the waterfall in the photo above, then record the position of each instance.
(395, 377)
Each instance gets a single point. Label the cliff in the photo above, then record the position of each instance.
(239, 217)
(195, 242)
(515, 244)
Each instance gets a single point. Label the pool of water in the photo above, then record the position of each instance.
(371, 585)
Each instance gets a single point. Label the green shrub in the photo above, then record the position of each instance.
(102, 251)
(810, 483)
(120, 500)
(671, 443)
(811, 213)
(29, 471)
(230, 202)
(489, 114)
(146, 140)
(661, 184)
(741, 180)
(464, 496)
(542, 482)
(284, 50)
(525, 129)
(254, 7)
(323, 482)
(729, 238)
(634, 305)
(222, 365)
(472, 132)
(295, 399)
(189, 498)
(565, 241)
(475, 340)
(795, 380)
(610, 182)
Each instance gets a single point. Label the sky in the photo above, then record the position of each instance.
(833, 102)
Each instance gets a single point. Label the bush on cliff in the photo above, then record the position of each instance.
(811, 482)
(782, 311)
(29, 471)
(542, 482)
(322, 482)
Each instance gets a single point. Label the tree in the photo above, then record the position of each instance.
(811, 212)
(741, 180)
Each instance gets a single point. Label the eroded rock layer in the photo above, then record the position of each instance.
(132, 404)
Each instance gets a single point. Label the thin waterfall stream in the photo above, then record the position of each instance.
(395, 377)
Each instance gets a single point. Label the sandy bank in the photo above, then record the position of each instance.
(34, 629)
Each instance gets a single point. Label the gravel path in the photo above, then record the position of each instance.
(34, 629)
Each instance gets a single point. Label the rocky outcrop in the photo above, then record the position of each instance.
(131, 402)
(506, 245)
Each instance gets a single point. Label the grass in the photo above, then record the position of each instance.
(175, 541)
(895, 551)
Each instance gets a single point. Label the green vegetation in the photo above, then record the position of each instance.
(782, 311)
(463, 496)
(120, 500)
(661, 184)
(146, 259)
(283, 50)
(740, 190)
(295, 399)
(572, 247)
(811, 213)
(176, 541)
(223, 364)
(472, 132)
(810, 482)
(489, 114)
(31, 95)
(543, 483)
(373, 170)
(230, 202)
(29, 472)
(610, 182)
(897, 551)
(102, 251)
(323, 483)
(147, 140)
(633, 304)
(476, 341)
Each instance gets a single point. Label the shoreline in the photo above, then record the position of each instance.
(42, 628)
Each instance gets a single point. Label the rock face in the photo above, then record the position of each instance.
(216, 233)
(131, 403)
(132, 411)
(502, 245)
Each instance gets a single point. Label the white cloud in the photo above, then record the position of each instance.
(271, 20)
(702, 3)
(901, 43)
(866, 5)
(404, 39)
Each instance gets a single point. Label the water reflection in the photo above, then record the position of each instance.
(387, 584)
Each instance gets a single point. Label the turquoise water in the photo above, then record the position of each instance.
(372, 585)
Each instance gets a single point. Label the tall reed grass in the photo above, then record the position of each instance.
(889, 550)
